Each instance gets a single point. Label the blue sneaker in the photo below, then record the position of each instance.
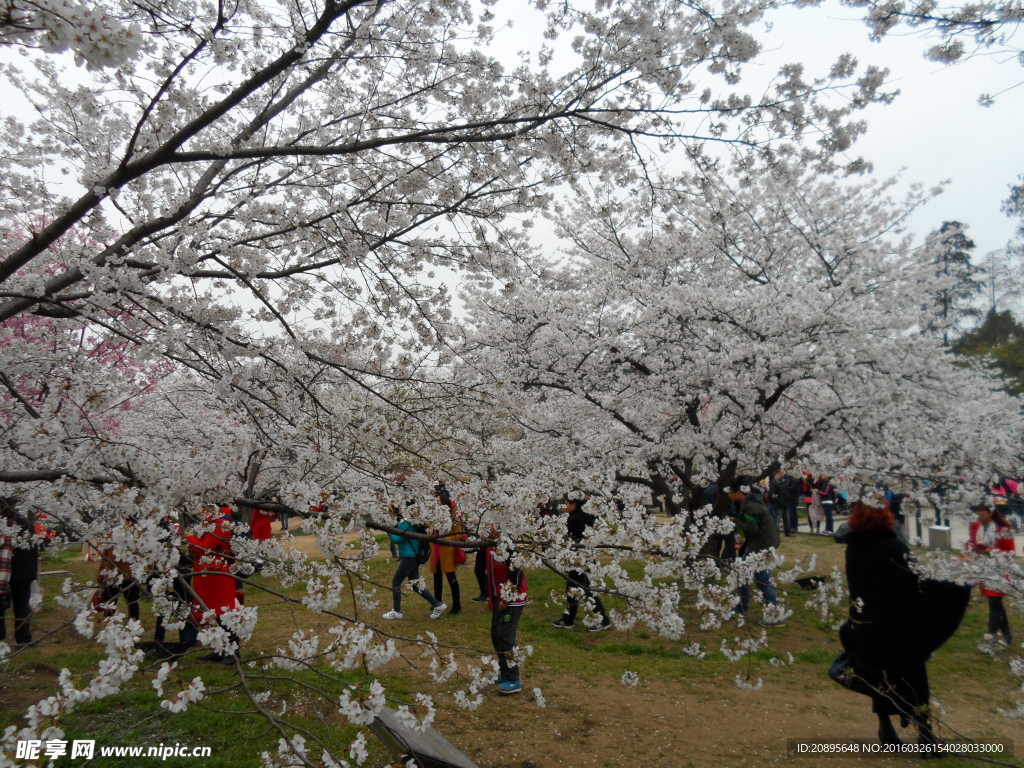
(499, 680)
(509, 687)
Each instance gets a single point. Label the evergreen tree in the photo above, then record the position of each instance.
(958, 285)
(1014, 206)
(1000, 338)
(999, 273)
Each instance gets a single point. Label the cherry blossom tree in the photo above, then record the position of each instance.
(283, 182)
(731, 327)
(711, 333)
(68, 386)
(964, 30)
(98, 34)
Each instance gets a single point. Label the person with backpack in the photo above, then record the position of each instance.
(897, 620)
(760, 532)
(411, 553)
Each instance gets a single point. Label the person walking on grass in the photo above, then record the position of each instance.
(991, 533)
(408, 569)
(445, 558)
(577, 524)
(897, 620)
(507, 596)
(19, 567)
(760, 533)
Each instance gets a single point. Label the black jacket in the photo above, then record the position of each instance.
(896, 619)
(578, 522)
(784, 491)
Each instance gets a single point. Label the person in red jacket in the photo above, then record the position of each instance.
(211, 562)
(507, 595)
(991, 532)
(259, 526)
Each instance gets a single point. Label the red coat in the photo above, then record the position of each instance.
(1004, 543)
(260, 525)
(498, 575)
(211, 561)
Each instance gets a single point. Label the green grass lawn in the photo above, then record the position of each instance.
(227, 722)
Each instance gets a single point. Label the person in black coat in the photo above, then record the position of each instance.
(783, 494)
(19, 563)
(896, 620)
(577, 524)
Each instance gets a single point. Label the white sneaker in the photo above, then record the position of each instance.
(436, 613)
(393, 615)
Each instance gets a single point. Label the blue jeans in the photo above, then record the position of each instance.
(763, 580)
(408, 568)
(793, 519)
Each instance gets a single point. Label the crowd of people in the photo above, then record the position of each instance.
(896, 619)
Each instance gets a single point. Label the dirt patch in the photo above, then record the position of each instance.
(663, 725)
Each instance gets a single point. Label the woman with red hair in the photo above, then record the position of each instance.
(896, 620)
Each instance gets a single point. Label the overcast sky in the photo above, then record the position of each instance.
(935, 128)
(934, 131)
